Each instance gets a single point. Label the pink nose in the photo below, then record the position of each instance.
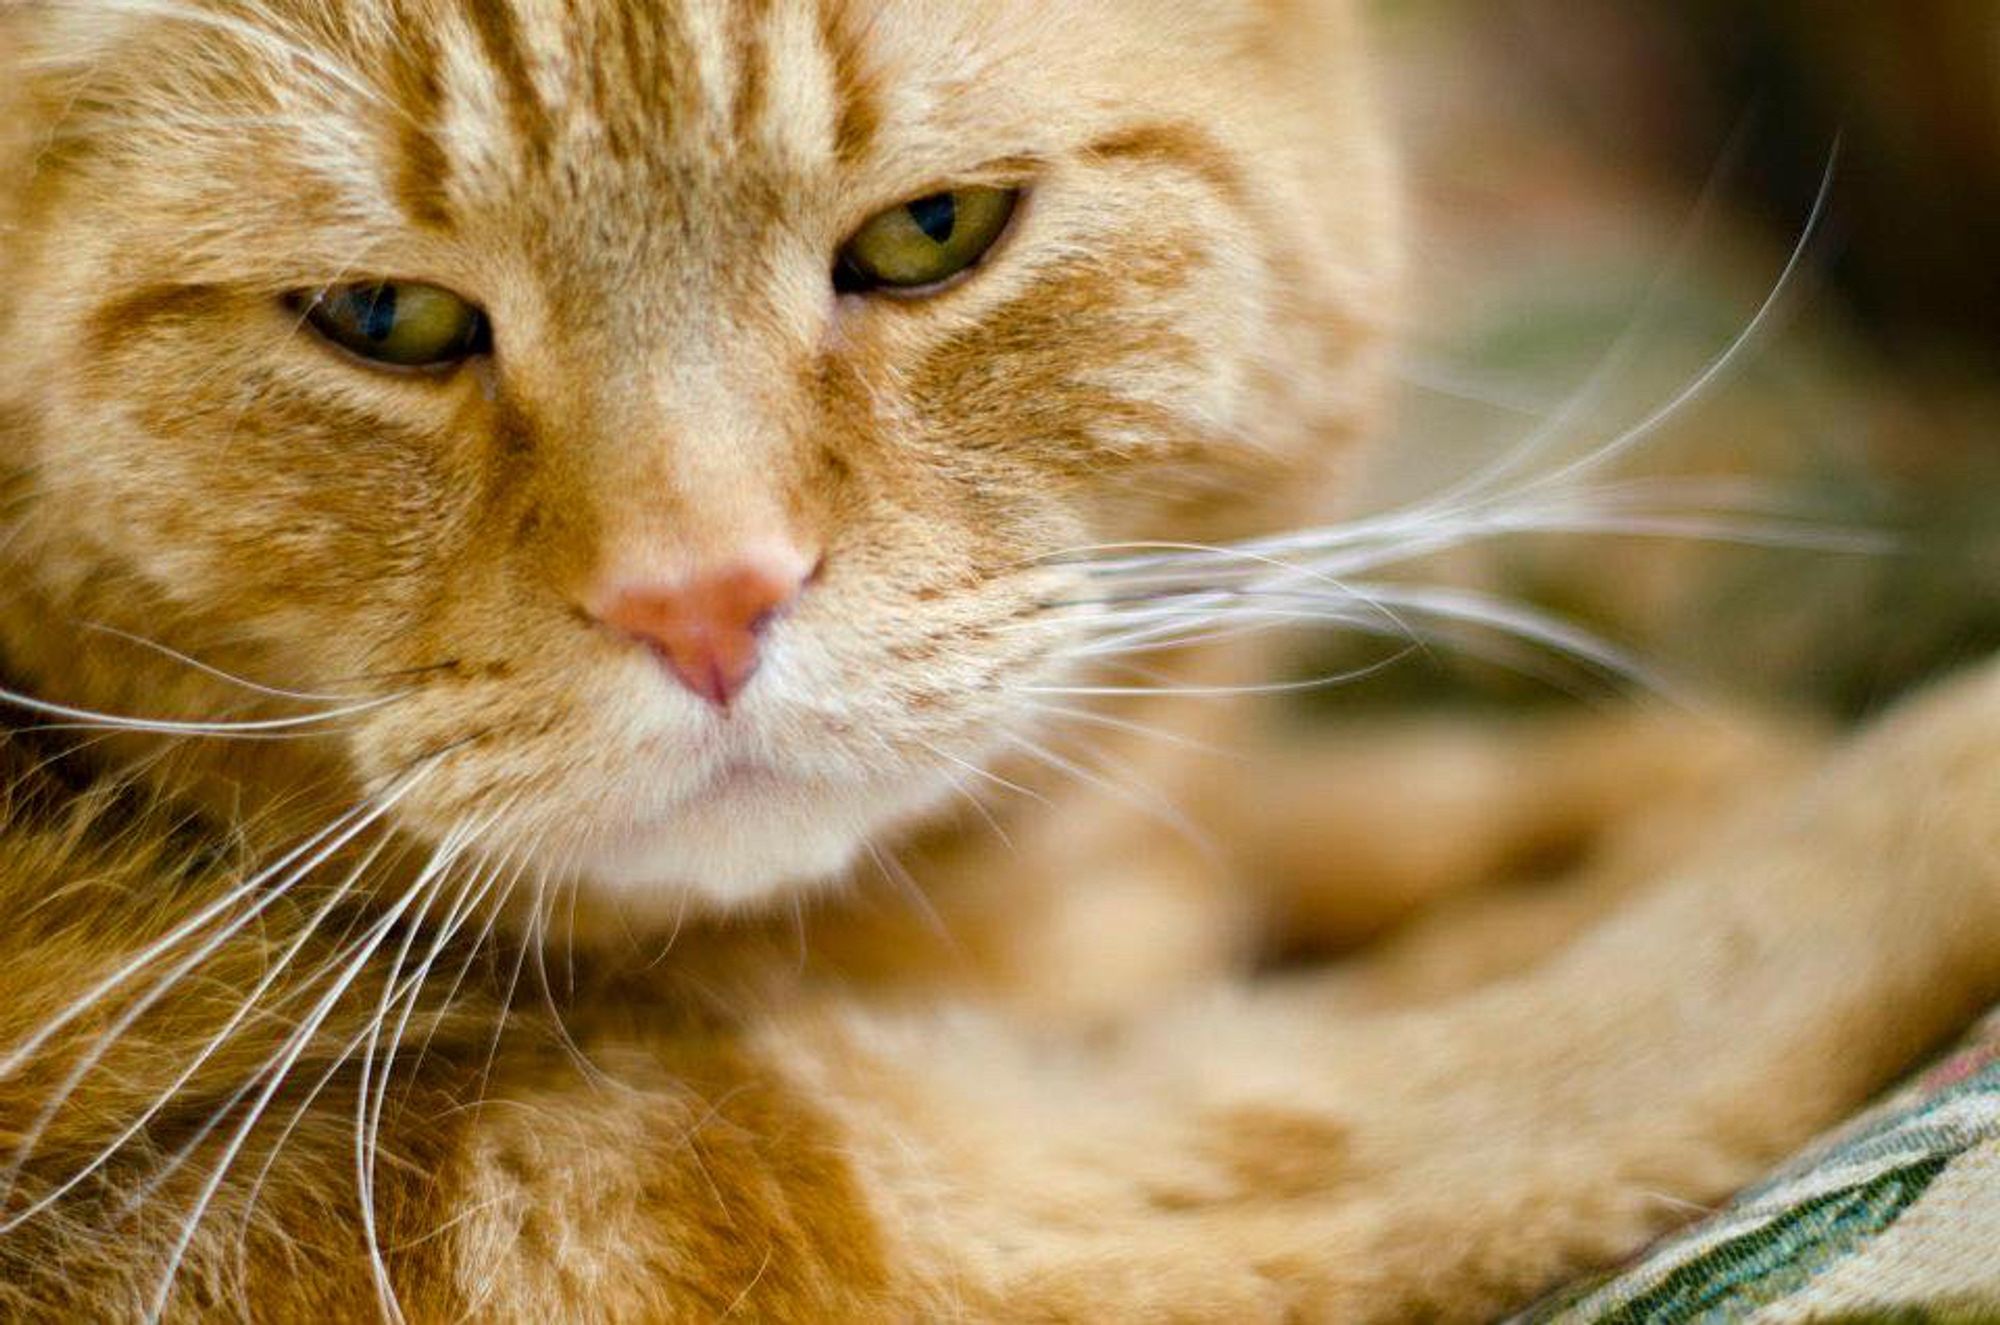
(707, 629)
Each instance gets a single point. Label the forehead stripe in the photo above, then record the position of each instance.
(750, 39)
(423, 176)
(1180, 146)
(858, 119)
(499, 34)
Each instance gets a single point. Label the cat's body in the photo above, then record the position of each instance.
(467, 980)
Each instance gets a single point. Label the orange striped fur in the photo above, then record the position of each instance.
(449, 964)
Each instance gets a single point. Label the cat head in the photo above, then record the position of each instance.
(663, 416)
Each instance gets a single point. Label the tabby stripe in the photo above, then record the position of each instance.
(750, 37)
(498, 29)
(424, 169)
(132, 317)
(1182, 146)
(859, 119)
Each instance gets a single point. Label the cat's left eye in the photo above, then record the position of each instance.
(400, 324)
(925, 242)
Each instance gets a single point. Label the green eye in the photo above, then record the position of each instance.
(401, 324)
(925, 242)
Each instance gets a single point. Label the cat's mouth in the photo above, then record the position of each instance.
(740, 782)
(648, 796)
(743, 830)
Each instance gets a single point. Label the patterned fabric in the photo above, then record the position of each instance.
(1895, 1218)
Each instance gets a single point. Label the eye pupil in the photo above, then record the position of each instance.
(936, 216)
(378, 312)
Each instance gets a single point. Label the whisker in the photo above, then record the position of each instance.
(1336, 551)
(342, 830)
(1515, 620)
(1222, 691)
(430, 885)
(898, 874)
(1090, 717)
(1555, 426)
(342, 951)
(1522, 622)
(541, 912)
(500, 1024)
(477, 887)
(986, 774)
(1440, 380)
(569, 935)
(209, 669)
(340, 1060)
(1142, 799)
(497, 892)
(1728, 359)
(673, 935)
(249, 1005)
(167, 727)
(275, 1077)
(980, 808)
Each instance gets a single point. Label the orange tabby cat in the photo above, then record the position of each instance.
(520, 492)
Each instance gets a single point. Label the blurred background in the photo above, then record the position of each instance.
(1606, 192)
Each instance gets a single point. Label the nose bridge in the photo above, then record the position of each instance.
(725, 440)
(695, 464)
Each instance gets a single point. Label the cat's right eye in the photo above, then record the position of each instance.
(399, 324)
(924, 243)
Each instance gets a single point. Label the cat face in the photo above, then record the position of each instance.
(579, 377)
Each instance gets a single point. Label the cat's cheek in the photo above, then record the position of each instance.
(257, 501)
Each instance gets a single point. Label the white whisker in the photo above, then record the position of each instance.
(1143, 799)
(250, 1004)
(340, 1060)
(1221, 691)
(986, 774)
(1092, 718)
(275, 1077)
(1730, 357)
(898, 874)
(496, 892)
(984, 811)
(540, 913)
(334, 838)
(1557, 425)
(500, 1024)
(429, 886)
(1522, 622)
(209, 669)
(168, 727)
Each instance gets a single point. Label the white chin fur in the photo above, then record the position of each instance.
(727, 875)
(736, 852)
